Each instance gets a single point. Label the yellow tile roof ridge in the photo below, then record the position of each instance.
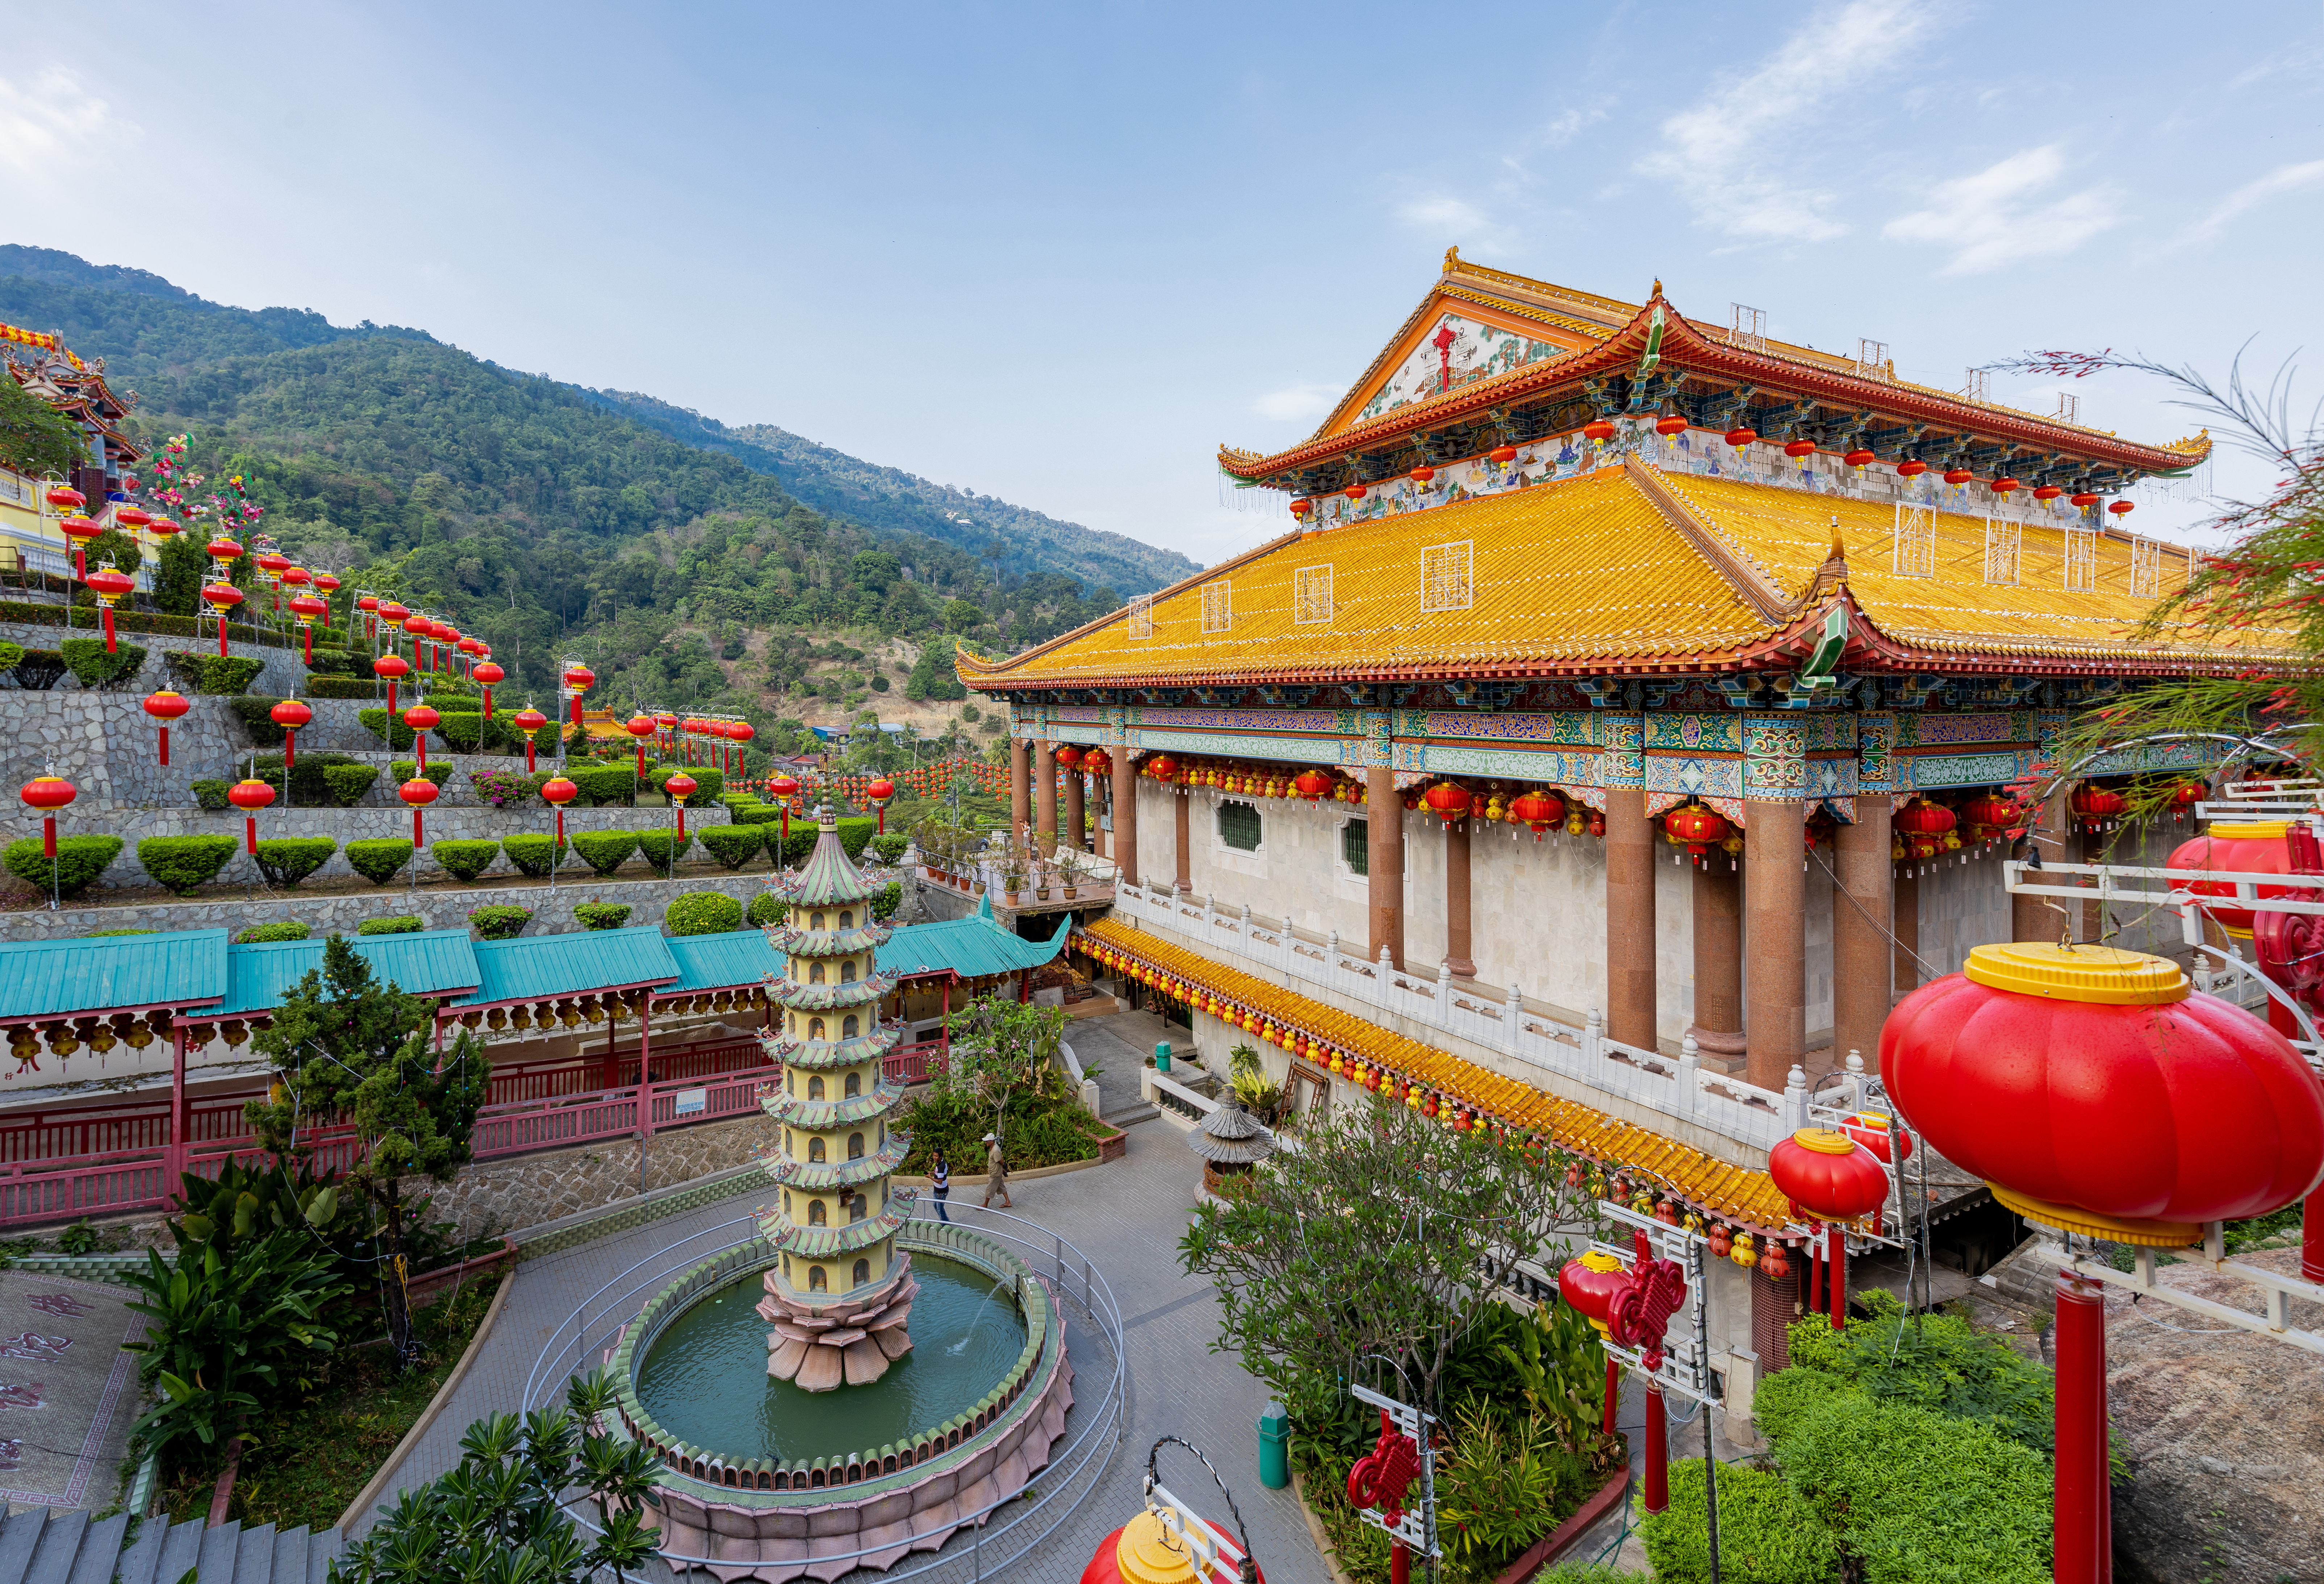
(1717, 1189)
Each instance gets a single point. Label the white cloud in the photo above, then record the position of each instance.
(51, 136)
(1297, 401)
(2002, 214)
(1442, 213)
(2277, 183)
(1718, 153)
(1567, 125)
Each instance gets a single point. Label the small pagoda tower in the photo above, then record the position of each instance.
(841, 1290)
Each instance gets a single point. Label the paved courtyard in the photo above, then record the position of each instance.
(1127, 1218)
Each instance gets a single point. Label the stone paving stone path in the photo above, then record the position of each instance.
(1127, 1218)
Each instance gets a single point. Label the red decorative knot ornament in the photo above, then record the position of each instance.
(1449, 799)
(1696, 828)
(1799, 447)
(1828, 1175)
(1958, 476)
(1602, 430)
(165, 706)
(2096, 1094)
(250, 796)
(1741, 436)
(2250, 847)
(1538, 812)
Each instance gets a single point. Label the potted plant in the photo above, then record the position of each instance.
(1041, 882)
(1069, 869)
(1013, 880)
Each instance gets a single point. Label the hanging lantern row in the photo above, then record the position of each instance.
(64, 1036)
(1540, 809)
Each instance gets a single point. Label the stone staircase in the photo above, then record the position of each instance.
(36, 1548)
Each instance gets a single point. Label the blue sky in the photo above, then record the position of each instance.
(1058, 253)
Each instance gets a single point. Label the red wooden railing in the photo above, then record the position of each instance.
(58, 1162)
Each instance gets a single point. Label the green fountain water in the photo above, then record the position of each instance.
(705, 1379)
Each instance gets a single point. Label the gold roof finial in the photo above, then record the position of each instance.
(1657, 291)
(1452, 259)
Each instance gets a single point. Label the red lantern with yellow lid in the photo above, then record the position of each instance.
(2249, 847)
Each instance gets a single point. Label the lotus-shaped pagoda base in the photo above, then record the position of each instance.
(848, 1341)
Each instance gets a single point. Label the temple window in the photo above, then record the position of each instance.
(1239, 827)
(815, 1088)
(1356, 847)
(854, 1084)
(857, 1208)
(862, 1272)
(816, 1281)
(815, 921)
(847, 1030)
(848, 971)
(815, 1028)
(855, 1146)
(788, 1150)
(814, 1212)
(787, 1268)
(814, 973)
(813, 1150)
(846, 918)
(787, 1201)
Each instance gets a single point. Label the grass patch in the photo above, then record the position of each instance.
(315, 1453)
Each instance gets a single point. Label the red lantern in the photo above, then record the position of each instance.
(166, 707)
(1162, 767)
(2122, 508)
(1697, 828)
(221, 598)
(163, 528)
(289, 715)
(1958, 476)
(677, 789)
(556, 792)
(1857, 458)
(1741, 435)
(879, 792)
(528, 721)
(1876, 1134)
(1311, 784)
(1773, 1262)
(2083, 499)
(48, 794)
(1539, 810)
(1670, 424)
(1423, 474)
(641, 727)
(422, 720)
(111, 586)
(1800, 447)
(1097, 761)
(1449, 799)
(393, 613)
(326, 585)
(489, 676)
(131, 518)
(2096, 1094)
(1068, 756)
(1602, 430)
(2003, 485)
(305, 609)
(1989, 815)
(2242, 847)
(418, 792)
(1301, 507)
(1911, 468)
(2093, 805)
(250, 796)
(1597, 822)
(63, 497)
(578, 678)
(2047, 492)
(1827, 1175)
(2188, 794)
(1926, 822)
(1501, 456)
(79, 530)
(1354, 492)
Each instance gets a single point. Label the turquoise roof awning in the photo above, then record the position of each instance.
(974, 948)
(181, 968)
(538, 967)
(728, 960)
(427, 962)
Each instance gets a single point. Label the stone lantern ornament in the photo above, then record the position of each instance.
(1230, 1140)
(2096, 1094)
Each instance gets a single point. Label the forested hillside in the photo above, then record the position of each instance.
(691, 566)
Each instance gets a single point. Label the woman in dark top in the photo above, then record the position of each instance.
(941, 1177)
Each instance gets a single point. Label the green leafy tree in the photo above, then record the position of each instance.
(345, 1044)
(35, 440)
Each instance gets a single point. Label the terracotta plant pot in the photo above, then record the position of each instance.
(1041, 894)
(1008, 899)
(1069, 894)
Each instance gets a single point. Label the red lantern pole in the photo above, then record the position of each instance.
(1837, 1259)
(2083, 1513)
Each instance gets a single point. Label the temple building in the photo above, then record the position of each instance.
(1662, 671)
(44, 367)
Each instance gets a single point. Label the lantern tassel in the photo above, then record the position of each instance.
(108, 629)
(49, 837)
(250, 833)
(165, 747)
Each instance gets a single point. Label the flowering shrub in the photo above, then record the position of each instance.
(502, 787)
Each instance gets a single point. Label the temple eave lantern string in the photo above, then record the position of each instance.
(2095, 1094)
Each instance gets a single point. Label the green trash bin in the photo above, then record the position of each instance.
(1162, 1057)
(1275, 1446)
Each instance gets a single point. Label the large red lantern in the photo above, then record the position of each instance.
(111, 586)
(1068, 756)
(1857, 458)
(165, 706)
(641, 727)
(1602, 430)
(48, 794)
(63, 497)
(1741, 435)
(289, 715)
(1162, 767)
(418, 792)
(2096, 1093)
(2094, 806)
(1097, 761)
(1830, 1177)
(2003, 485)
(880, 791)
(1911, 468)
(79, 530)
(163, 528)
(2122, 508)
(578, 678)
(1311, 784)
(221, 596)
(1501, 456)
(1989, 815)
(2256, 846)
(421, 719)
(488, 675)
(250, 796)
(1449, 799)
(1539, 810)
(556, 792)
(391, 666)
(1696, 828)
(1924, 826)
(1799, 447)
(306, 609)
(528, 721)
(677, 789)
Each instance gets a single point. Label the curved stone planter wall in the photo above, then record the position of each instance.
(748, 1519)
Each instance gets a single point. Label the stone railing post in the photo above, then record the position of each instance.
(1795, 1099)
(1244, 933)
(1445, 995)
(1332, 959)
(1690, 1076)
(1387, 972)
(1594, 1039)
(1513, 1019)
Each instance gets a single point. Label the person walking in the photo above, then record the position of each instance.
(941, 1176)
(996, 1172)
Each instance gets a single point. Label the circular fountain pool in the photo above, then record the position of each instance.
(706, 1381)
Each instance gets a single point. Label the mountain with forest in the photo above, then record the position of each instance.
(693, 565)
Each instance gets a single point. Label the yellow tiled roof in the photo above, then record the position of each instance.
(1730, 1193)
(1590, 571)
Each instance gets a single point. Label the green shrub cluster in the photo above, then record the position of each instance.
(1766, 1533)
(184, 864)
(363, 685)
(733, 845)
(138, 621)
(79, 860)
(531, 853)
(708, 783)
(465, 860)
(310, 782)
(498, 921)
(282, 930)
(405, 770)
(890, 846)
(887, 900)
(401, 924)
(601, 915)
(393, 733)
(256, 711)
(10, 655)
(210, 795)
(102, 934)
(291, 860)
(37, 671)
(378, 860)
(348, 783)
(92, 667)
(701, 913)
(766, 909)
(661, 849)
(213, 673)
(605, 850)
(465, 731)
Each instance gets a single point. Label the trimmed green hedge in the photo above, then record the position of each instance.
(710, 784)
(890, 847)
(531, 853)
(394, 734)
(377, 861)
(39, 669)
(1766, 1533)
(733, 845)
(406, 769)
(10, 655)
(210, 794)
(92, 667)
(138, 621)
(500, 921)
(79, 860)
(605, 850)
(465, 860)
(102, 934)
(184, 864)
(601, 915)
(291, 860)
(349, 782)
(256, 710)
(213, 673)
(401, 924)
(661, 849)
(282, 930)
(360, 686)
(766, 909)
(701, 913)
(604, 784)
(466, 732)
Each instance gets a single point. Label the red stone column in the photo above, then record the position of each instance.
(1044, 798)
(2032, 917)
(1905, 909)
(1861, 912)
(1076, 819)
(1125, 816)
(1183, 806)
(1775, 925)
(1718, 1028)
(1456, 900)
(1629, 919)
(1384, 826)
(1020, 809)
